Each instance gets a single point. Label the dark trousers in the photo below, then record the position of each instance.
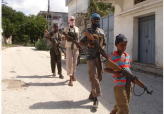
(55, 58)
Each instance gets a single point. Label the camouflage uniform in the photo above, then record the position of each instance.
(55, 53)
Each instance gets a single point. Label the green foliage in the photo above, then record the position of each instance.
(101, 8)
(36, 27)
(8, 45)
(41, 45)
(25, 40)
(24, 29)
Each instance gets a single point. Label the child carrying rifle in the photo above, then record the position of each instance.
(122, 59)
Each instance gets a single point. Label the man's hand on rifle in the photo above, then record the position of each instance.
(77, 46)
(103, 54)
(119, 75)
(67, 38)
(91, 42)
(48, 37)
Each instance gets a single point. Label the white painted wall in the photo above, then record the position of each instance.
(62, 22)
(126, 22)
(77, 6)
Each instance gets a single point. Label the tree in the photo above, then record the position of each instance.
(101, 8)
(7, 25)
(22, 28)
(35, 28)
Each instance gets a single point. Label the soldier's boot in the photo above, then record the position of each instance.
(95, 103)
(91, 97)
(70, 82)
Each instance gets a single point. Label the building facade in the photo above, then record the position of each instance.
(76, 8)
(141, 21)
(59, 18)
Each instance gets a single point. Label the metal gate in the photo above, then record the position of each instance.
(147, 39)
(107, 24)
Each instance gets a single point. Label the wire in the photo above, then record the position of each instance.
(139, 94)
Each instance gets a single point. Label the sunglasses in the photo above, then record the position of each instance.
(72, 19)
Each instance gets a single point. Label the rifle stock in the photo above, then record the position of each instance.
(130, 77)
(98, 48)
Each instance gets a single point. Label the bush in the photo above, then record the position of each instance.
(41, 45)
(25, 40)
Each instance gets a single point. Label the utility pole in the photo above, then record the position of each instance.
(48, 13)
(3, 3)
(48, 21)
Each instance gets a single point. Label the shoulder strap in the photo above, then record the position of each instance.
(69, 29)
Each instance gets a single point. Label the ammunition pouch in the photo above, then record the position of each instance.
(74, 36)
(99, 38)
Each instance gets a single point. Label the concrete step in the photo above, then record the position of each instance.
(147, 68)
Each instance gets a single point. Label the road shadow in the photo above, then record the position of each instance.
(81, 75)
(62, 105)
(49, 84)
(36, 76)
(34, 49)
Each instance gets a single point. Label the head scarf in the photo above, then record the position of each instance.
(120, 38)
(96, 15)
(72, 23)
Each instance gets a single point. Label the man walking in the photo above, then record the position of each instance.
(55, 52)
(72, 51)
(94, 63)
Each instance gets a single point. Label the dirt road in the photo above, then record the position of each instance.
(29, 88)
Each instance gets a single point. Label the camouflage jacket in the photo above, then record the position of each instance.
(98, 34)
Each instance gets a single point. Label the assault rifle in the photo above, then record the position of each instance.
(98, 47)
(130, 77)
(55, 41)
(72, 39)
(110, 64)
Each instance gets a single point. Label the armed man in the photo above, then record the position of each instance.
(95, 65)
(72, 50)
(55, 53)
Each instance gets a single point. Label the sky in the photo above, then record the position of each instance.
(35, 6)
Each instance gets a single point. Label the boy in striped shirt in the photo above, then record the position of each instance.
(122, 59)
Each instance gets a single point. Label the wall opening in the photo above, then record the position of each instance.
(138, 1)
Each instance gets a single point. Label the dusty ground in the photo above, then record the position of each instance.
(29, 88)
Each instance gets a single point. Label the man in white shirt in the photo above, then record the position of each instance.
(72, 51)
